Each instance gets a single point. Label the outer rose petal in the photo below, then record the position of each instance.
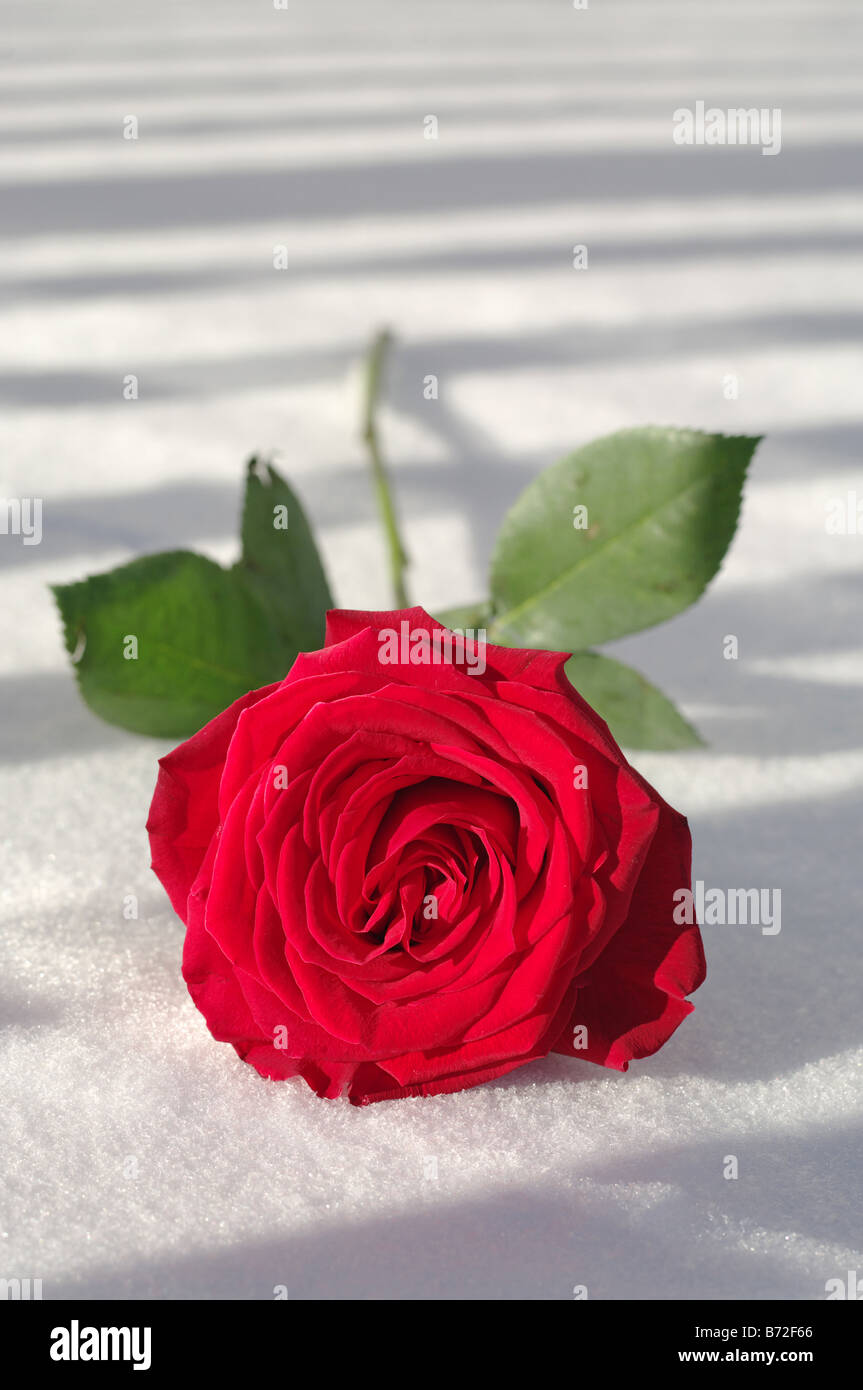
(184, 811)
(367, 1082)
(210, 976)
(633, 997)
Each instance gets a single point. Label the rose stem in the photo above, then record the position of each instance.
(397, 553)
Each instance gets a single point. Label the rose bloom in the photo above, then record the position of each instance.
(403, 874)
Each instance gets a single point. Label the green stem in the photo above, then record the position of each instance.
(397, 553)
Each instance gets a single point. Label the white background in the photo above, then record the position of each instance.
(141, 1157)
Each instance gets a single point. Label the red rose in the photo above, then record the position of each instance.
(408, 868)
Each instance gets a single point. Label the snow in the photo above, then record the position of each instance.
(139, 1157)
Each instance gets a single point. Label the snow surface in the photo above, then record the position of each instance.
(140, 1157)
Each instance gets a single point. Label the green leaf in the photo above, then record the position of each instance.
(280, 558)
(662, 507)
(202, 641)
(165, 643)
(638, 714)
